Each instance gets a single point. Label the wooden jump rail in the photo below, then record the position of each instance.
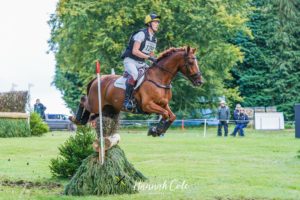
(14, 115)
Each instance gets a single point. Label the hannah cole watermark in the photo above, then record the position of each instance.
(170, 185)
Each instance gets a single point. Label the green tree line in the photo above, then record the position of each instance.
(269, 74)
(83, 31)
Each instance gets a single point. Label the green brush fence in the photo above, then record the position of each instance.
(14, 125)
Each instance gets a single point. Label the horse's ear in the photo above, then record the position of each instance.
(194, 50)
(188, 49)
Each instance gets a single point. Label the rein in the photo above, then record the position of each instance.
(159, 85)
(169, 86)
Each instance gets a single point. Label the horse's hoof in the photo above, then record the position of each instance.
(74, 120)
(152, 131)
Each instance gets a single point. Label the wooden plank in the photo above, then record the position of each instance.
(14, 115)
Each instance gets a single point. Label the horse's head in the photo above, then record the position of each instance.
(189, 67)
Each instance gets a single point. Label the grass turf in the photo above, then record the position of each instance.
(181, 165)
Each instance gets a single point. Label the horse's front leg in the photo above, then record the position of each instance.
(167, 122)
(155, 108)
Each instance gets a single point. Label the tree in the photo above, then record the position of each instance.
(83, 31)
(250, 75)
(269, 74)
(285, 57)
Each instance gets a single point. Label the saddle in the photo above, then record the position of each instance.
(120, 82)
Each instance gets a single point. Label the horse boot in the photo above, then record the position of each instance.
(76, 119)
(128, 104)
(161, 128)
(82, 114)
(85, 117)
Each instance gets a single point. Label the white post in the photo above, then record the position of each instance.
(100, 113)
(30, 85)
(279, 128)
(204, 131)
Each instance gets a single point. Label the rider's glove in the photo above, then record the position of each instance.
(153, 59)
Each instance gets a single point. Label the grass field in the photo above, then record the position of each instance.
(263, 165)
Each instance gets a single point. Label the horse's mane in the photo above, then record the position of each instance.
(169, 52)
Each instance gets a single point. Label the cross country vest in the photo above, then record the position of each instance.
(147, 46)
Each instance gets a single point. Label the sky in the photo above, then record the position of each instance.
(24, 33)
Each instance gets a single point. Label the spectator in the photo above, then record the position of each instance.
(241, 123)
(223, 117)
(236, 113)
(39, 108)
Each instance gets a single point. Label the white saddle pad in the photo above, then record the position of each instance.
(120, 82)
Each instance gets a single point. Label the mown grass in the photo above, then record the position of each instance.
(263, 165)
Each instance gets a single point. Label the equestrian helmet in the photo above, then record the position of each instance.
(151, 17)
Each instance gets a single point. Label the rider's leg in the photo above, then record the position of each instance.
(130, 83)
(131, 69)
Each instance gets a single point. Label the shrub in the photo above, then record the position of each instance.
(72, 152)
(37, 125)
(14, 127)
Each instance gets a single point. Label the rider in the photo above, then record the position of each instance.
(141, 46)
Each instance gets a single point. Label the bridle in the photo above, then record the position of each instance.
(190, 76)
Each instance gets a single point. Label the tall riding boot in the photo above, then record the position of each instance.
(128, 104)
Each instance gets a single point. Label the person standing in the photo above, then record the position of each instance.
(241, 123)
(223, 117)
(39, 108)
(237, 111)
(236, 114)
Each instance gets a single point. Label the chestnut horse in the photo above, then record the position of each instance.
(154, 93)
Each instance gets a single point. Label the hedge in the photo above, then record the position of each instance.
(14, 127)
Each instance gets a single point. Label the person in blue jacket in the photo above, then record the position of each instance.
(39, 108)
(236, 114)
(241, 122)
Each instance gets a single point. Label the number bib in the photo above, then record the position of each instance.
(149, 47)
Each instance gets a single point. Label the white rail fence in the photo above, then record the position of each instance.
(189, 123)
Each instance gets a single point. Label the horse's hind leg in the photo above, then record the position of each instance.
(82, 114)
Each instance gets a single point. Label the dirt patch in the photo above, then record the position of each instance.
(30, 184)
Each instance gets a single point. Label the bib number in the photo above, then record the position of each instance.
(149, 47)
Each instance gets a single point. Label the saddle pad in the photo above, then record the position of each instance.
(120, 82)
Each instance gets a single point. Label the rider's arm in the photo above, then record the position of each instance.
(137, 52)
